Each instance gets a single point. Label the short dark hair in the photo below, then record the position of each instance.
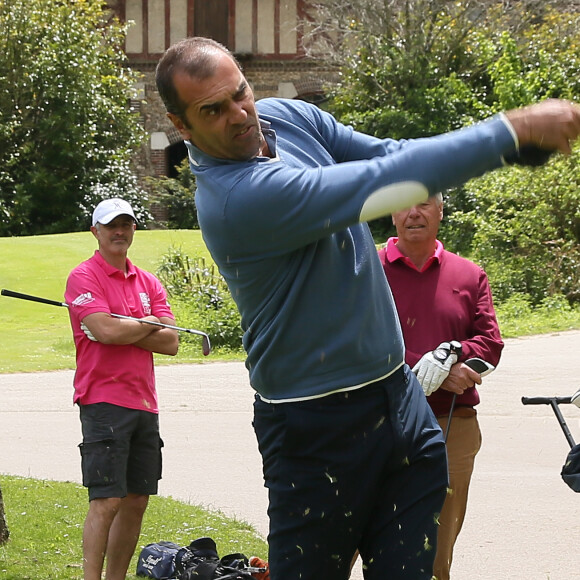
(193, 56)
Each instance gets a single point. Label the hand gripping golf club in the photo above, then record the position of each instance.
(554, 402)
(206, 346)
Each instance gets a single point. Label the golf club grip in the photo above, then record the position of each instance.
(545, 400)
(12, 294)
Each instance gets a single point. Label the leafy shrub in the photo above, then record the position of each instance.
(527, 229)
(178, 196)
(518, 317)
(200, 299)
(517, 306)
(66, 133)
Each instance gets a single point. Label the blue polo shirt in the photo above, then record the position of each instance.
(286, 233)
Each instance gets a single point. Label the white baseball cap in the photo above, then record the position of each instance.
(109, 209)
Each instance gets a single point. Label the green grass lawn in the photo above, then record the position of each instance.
(37, 337)
(46, 519)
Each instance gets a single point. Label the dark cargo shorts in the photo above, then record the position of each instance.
(120, 452)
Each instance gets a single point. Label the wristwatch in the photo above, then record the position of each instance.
(444, 350)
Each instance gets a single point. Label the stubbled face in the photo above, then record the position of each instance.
(420, 223)
(220, 116)
(116, 237)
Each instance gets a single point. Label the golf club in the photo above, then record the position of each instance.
(479, 366)
(451, 409)
(206, 346)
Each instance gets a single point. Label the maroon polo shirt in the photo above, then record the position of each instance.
(449, 299)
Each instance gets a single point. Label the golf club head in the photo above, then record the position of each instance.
(480, 366)
(206, 346)
(575, 399)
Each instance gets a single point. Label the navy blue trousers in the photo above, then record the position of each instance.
(365, 470)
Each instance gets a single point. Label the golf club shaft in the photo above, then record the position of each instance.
(206, 343)
(478, 365)
(154, 323)
(12, 294)
(451, 409)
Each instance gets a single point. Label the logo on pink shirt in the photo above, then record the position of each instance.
(83, 299)
(145, 302)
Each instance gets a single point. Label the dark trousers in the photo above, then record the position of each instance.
(365, 470)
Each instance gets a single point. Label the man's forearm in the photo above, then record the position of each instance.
(162, 340)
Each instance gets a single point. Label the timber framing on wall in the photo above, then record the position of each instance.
(262, 29)
(265, 36)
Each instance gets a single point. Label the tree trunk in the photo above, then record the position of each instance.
(4, 532)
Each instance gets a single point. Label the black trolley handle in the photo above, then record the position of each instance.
(546, 400)
(553, 402)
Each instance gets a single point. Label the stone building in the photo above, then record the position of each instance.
(265, 35)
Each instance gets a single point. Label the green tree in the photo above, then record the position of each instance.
(543, 62)
(178, 196)
(412, 68)
(66, 131)
(526, 225)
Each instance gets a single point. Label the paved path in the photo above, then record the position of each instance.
(523, 521)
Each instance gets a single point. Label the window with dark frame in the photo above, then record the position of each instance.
(211, 19)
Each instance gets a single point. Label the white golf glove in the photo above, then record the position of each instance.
(434, 366)
(88, 332)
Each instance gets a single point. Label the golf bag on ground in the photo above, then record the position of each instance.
(157, 560)
(200, 561)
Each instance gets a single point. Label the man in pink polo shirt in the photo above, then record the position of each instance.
(115, 388)
(442, 300)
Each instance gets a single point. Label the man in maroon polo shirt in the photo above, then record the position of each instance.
(442, 298)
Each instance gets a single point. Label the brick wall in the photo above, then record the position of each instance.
(290, 79)
(269, 79)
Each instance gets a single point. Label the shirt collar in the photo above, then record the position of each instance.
(198, 158)
(111, 270)
(394, 254)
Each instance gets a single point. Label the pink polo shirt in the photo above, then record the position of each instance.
(109, 373)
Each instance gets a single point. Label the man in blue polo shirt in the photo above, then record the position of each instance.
(353, 458)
